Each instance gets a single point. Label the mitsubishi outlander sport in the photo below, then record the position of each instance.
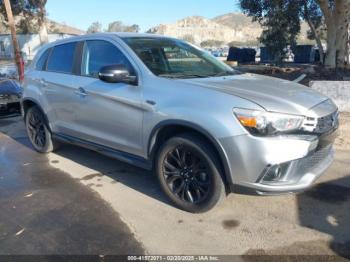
(165, 105)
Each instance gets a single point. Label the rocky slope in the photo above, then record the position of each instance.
(241, 23)
(55, 27)
(230, 27)
(202, 29)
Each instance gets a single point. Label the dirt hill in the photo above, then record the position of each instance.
(230, 27)
(55, 27)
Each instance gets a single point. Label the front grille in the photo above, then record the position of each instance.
(321, 125)
(5, 98)
(327, 123)
(11, 108)
(309, 163)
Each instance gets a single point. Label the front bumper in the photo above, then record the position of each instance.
(300, 160)
(10, 108)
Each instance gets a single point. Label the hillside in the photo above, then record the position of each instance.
(230, 27)
(55, 27)
(239, 22)
(52, 27)
(201, 29)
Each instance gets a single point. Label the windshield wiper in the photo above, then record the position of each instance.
(183, 76)
(227, 73)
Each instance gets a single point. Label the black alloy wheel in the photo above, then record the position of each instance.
(38, 131)
(189, 173)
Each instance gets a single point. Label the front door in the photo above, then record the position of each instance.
(107, 114)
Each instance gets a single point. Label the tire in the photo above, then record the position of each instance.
(189, 173)
(38, 131)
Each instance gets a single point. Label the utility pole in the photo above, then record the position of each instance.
(14, 36)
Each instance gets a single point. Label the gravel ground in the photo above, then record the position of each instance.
(343, 141)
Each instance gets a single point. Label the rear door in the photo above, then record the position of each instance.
(58, 87)
(108, 114)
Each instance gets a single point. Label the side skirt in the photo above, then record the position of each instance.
(110, 152)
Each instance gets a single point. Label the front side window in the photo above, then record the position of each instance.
(173, 58)
(61, 58)
(41, 64)
(99, 53)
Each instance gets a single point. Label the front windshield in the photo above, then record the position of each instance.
(172, 58)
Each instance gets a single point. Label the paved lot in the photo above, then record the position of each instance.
(44, 211)
(79, 196)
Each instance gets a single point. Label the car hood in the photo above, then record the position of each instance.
(9, 87)
(273, 94)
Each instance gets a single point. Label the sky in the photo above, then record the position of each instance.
(82, 13)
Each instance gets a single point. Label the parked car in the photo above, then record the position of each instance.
(10, 96)
(217, 53)
(204, 128)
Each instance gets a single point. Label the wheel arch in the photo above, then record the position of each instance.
(169, 128)
(30, 102)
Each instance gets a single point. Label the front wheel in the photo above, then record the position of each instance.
(189, 173)
(38, 131)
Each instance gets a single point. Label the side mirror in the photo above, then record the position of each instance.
(117, 74)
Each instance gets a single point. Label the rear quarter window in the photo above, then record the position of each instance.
(41, 64)
(62, 58)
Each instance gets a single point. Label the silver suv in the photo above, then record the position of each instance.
(163, 104)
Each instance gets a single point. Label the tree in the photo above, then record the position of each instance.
(118, 26)
(280, 22)
(133, 28)
(336, 16)
(95, 27)
(25, 26)
(312, 14)
(11, 22)
(331, 16)
(40, 14)
(32, 16)
(3, 25)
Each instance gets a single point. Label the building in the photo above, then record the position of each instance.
(29, 44)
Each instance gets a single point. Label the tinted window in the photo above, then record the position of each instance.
(173, 58)
(98, 54)
(61, 58)
(2, 46)
(40, 65)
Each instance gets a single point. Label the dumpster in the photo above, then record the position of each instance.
(304, 54)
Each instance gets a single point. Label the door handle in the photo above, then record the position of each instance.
(81, 92)
(151, 102)
(41, 81)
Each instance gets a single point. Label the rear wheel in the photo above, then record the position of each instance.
(189, 173)
(38, 131)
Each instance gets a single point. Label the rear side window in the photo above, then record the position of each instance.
(61, 58)
(99, 53)
(41, 64)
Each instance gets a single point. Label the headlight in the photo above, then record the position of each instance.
(267, 123)
(9, 98)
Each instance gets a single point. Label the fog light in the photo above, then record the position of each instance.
(273, 174)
